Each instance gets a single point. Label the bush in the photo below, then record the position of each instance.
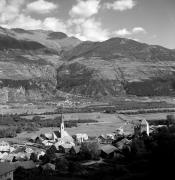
(170, 119)
(62, 164)
(90, 150)
(31, 127)
(19, 129)
(36, 118)
(6, 120)
(8, 133)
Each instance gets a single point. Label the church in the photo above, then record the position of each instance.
(61, 134)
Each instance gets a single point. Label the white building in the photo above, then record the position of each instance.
(81, 137)
(4, 146)
(61, 134)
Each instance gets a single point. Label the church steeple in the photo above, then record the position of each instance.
(62, 125)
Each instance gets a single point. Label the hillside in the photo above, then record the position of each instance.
(118, 66)
(37, 64)
(28, 62)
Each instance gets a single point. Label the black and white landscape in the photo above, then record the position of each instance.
(87, 89)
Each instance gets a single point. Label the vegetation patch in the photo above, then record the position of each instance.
(18, 124)
(152, 87)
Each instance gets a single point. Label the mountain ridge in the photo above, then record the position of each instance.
(53, 62)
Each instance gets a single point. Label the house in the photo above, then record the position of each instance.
(7, 157)
(110, 136)
(75, 150)
(144, 126)
(124, 144)
(47, 143)
(47, 136)
(40, 154)
(81, 137)
(33, 138)
(3, 156)
(141, 126)
(119, 131)
(58, 143)
(103, 140)
(22, 156)
(38, 140)
(65, 148)
(108, 151)
(4, 146)
(6, 171)
(29, 150)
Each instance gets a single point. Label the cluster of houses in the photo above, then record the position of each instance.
(56, 145)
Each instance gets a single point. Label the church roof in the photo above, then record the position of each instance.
(57, 133)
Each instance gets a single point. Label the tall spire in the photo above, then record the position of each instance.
(62, 125)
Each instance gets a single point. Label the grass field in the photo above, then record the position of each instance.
(107, 123)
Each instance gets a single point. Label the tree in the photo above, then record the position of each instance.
(62, 164)
(33, 157)
(170, 119)
(36, 118)
(90, 150)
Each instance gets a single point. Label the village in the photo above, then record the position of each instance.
(52, 151)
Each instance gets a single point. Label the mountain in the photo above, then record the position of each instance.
(52, 40)
(117, 66)
(41, 65)
(28, 62)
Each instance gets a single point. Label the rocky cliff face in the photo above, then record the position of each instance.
(35, 65)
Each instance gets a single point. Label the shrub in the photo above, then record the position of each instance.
(31, 127)
(36, 118)
(170, 119)
(19, 129)
(33, 157)
(8, 133)
(62, 164)
(90, 150)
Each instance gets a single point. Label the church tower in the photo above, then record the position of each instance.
(62, 126)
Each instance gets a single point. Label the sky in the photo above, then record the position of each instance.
(148, 21)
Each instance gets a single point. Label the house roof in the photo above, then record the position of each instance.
(108, 148)
(6, 168)
(48, 135)
(76, 149)
(57, 133)
(33, 137)
(66, 145)
(101, 137)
